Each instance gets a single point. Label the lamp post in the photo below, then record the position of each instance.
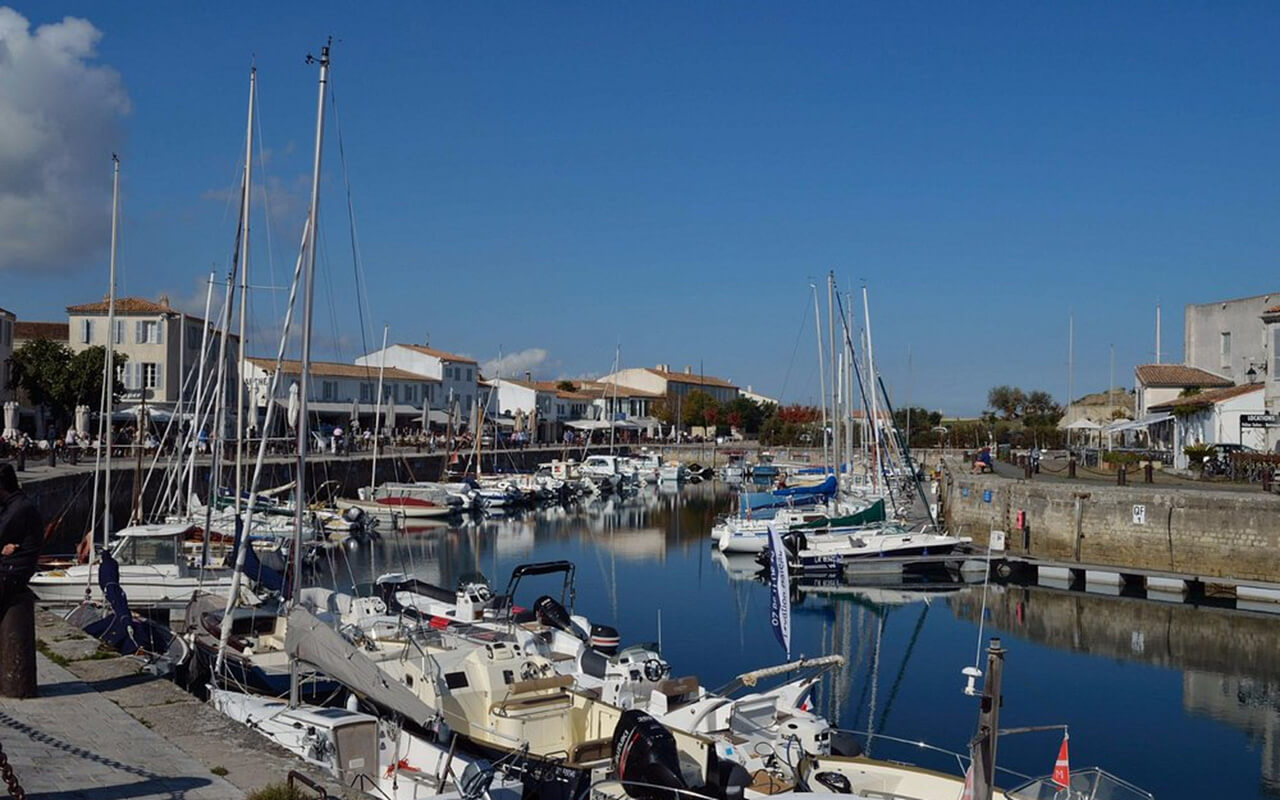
(1251, 375)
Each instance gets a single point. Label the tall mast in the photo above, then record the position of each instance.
(193, 431)
(871, 380)
(1071, 361)
(244, 290)
(377, 415)
(1157, 336)
(835, 384)
(109, 368)
(304, 379)
(822, 369)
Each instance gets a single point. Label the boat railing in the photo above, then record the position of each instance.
(617, 788)
(1091, 783)
(962, 759)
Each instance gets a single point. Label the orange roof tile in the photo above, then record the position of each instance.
(1176, 375)
(1210, 397)
(53, 331)
(124, 305)
(684, 377)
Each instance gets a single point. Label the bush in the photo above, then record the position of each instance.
(1197, 453)
(276, 791)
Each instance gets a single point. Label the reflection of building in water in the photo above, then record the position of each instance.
(1249, 704)
(1206, 644)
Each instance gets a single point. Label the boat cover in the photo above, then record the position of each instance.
(872, 513)
(795, 496)
(254, 569)
(311, 641)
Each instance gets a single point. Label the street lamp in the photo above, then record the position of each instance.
(1251, 375)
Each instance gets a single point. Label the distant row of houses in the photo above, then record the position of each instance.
(168, 350)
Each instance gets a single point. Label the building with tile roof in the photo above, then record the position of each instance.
(340, 392)
(663, 381)
(457, 377)
(162, 343)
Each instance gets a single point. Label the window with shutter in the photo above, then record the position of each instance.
(86, 331)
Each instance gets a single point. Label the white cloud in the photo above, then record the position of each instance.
(514, 365)
(59, 123)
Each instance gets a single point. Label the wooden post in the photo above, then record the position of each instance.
(982, 749)
(1071, 467)
(18, 645)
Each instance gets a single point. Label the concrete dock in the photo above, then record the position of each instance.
(102, 729)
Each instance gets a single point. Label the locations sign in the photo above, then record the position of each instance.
(1259, 420)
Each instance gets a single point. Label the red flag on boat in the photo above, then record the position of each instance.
(967, 792)
(1062, 767)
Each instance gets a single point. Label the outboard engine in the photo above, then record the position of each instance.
(550, 612)
(605, 639)
(644, 752)
(476, 779)
(354, 515)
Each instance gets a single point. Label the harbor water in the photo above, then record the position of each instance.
(1182, 701)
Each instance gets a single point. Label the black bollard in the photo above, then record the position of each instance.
(1026, 469)
(1121, 478)
(18, 645)
(74, 455)
(1147, 470)
(53, 457)
(21, 466)
(1071, 467)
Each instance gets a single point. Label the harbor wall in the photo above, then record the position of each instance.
(1201, 532)
(64, 495)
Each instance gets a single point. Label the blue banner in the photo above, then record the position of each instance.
(779, 592)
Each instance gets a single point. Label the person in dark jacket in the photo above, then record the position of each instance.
(21, 534)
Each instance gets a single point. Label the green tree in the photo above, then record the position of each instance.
(1008, 400)
(567, 386)
(744, 413)
(694, 407)
(57, 380)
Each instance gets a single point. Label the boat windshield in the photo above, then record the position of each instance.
(1086, 784)
(147, 550)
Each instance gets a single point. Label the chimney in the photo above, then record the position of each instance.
(528, 375)
(688, 370)
(164, 300)
(663, 368)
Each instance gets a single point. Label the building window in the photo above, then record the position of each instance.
(468, 373)
(1226, 349)
(366, 393)
(150, 375)
(329, 390)
(146, 332)
(86, 331)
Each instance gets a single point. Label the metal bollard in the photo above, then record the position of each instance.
(1026, 470)
(1147, 473)
(1121, 478)
(18, 645)
(73, 453)
(53, 457)
(1071, 467)
(21, 466)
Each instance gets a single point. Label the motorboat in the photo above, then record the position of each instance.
(153, 571)
(832, 553)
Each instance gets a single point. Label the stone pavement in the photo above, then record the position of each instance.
(103, 729)
(72, 742)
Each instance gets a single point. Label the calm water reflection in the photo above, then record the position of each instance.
(1182, 701)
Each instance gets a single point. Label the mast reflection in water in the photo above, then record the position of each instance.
(1181, 700)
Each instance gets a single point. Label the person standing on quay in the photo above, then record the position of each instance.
(21, 536)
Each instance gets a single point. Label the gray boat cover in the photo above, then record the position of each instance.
(313, 642)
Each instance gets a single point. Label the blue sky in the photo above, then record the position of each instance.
(670, 177)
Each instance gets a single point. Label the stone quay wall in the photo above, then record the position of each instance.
(1201, 532)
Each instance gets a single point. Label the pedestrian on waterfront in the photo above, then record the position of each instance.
(1035, 459)
(21, 536)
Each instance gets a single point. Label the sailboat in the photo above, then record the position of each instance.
(153, 569)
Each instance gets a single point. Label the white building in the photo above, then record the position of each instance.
(339, 391)
(756, 397)
(1228, 337)
(1215, 417)
(1157, 384)
(455, 377)
(660, 380)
